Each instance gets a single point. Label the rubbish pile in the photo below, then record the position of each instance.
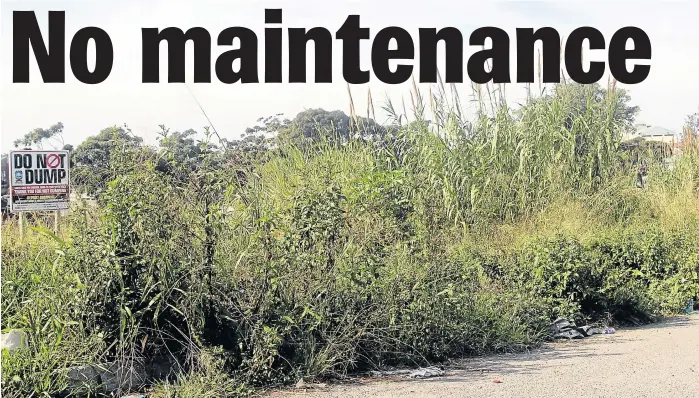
(421, 373)
(13, 340)
(561, 328)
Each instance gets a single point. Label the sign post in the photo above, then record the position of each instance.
(39, 181)
(21, 227)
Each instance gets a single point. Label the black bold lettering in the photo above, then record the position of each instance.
(17, 158)
(61, 175)
(176, 40)
(62, 156)
(573, 55)
(500, 54)
(247, 54)
(27, 160)
(29, 177)
(350, 33)
(381, 55)
(104, 55)
(323, 54)
(273, 47)
(51, 62)
(551, 65)
(618, 55)
(454, 51)
(41, 161)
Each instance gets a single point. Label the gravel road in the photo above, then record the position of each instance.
(659, 360)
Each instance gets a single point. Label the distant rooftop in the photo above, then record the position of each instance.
(646, 131)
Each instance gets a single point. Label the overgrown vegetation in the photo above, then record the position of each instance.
(321, 249)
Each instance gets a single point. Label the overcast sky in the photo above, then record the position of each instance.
(669, 94)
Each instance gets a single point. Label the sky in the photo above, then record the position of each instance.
(666, 97)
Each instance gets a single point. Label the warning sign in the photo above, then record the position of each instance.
(39, 180)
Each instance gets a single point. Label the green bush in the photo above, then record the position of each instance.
(345, 256)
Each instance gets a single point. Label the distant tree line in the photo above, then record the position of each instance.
(181, 153)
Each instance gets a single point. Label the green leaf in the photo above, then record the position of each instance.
(47, 232)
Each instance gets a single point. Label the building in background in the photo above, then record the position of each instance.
(650, 143)
(652, 133)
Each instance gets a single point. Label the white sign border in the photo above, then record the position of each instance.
(43, 206)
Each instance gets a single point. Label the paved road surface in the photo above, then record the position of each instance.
(660, 360)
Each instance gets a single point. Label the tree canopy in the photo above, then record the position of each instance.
(39, 136)
(581, 97)
(92, 159)
(692, 122)
(315, 125)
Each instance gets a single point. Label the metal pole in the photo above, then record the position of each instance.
(57, 221)
(21, 226)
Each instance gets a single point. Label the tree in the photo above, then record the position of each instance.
(93, 161)
(623, 112)
(181, 154)
(256, 141)
(692, 123)
(314, 125)
(179, 148)
(691, 130)
(267, 127)
(579, 96)
(39, 136)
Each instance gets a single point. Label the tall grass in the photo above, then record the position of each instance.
(454, 237)
(507, 164)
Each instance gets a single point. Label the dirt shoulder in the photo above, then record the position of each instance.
(659, 360)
